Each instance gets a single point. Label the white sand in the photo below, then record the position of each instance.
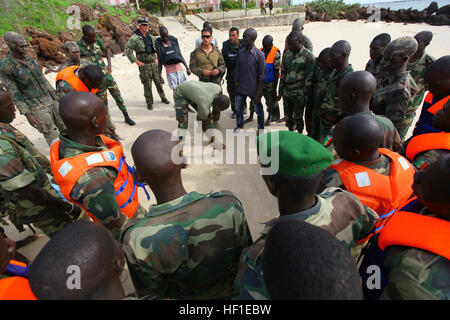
(243, 180)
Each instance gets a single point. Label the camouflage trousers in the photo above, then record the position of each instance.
(270, 94)
(109, 84)
(216, 115)
(293, 112)
(50, 120)
(413, 104)
(181, 111)
(183, 13)
(147, 74)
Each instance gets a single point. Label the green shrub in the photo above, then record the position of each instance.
(233, 4)
(333, 7)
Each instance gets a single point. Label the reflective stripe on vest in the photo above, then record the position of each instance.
(429, 110)
(426, 142)
(68, 75)
(67, 171)
(417, 231)
(377, 191)
(270, 71)
(16, 288)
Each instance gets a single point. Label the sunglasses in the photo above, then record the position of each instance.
(206, 36)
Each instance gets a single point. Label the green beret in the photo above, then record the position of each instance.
(299, 155)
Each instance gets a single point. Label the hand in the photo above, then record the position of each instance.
(279, 97)
(109, 68)
(139, 63)
(161, 79)
(257, 99)
(188, 71)
(34, 122)
(215, 72)
(206, 72)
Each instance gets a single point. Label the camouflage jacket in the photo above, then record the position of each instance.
(391, 138)
(373, 67)
(187, 248)
(392, 97)
(68, 63)
(94, 54)
(424, 159)
(21, 165)
(297, 75)
(26, 84)
(319, 87)
(95, 188)
(416, 274)
(136, 43)
(417, 70)
(199, 61)
(336, 211)
(330, 102)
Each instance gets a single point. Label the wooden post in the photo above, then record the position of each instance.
(137, 4)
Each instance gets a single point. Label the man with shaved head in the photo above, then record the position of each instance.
(330, 112)
(396, 87)
(411, 245)
(437, 78)
(188, 245)
(376, 52)
(380, 178)
(73, 57)
(355, 92)
(33, 95)
(89, 167)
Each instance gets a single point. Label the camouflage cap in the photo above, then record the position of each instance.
(71, 46)
(299, 155)
(404, 46)
(143, 21)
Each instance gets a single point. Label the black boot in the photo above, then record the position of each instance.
(128, 119)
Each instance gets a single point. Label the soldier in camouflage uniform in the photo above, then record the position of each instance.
(144, 44)
(91, 48)
(182, 8)
(376, 53)
(91, 76)
(301, 161)
(32, 93)
(161, 248)
(25, 187)
(296, 81)
(396, 87)
(329, 110)
(355, 91)
(417, 65)
(322, 72)
(72, 56)
(95, 187)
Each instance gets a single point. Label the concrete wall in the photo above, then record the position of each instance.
(259, 21)
(232, 14)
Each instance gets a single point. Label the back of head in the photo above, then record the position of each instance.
(356, 87)
(298, 24)
(357, 136)
(12, 37)
(437, 75)
(87, 29)
(83, 248)
(342, 47)
(304, 262)
(382, 39)
(93, 73)
(424, 37)
(78, 108)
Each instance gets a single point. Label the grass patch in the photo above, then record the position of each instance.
(333, 7)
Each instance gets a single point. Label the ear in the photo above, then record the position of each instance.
(94, 122)
(355, 153)
(271, 184)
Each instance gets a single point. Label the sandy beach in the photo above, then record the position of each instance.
(243, 180)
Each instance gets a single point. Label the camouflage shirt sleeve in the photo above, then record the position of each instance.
(332, 179)
(10, 85)
(13, 174)
(396, 106)
(193, 65)
(424, 159)
(62, 88)
(95, 190)
(129, 50)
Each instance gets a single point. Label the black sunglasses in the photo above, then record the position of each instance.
(206, 36)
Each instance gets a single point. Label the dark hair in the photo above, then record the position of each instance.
(303, 261)
(234, 29)
(87, 245)
(92, 72)
(207, 30)
(383, 39)
(87, 28)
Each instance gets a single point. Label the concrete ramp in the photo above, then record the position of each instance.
(258, 21)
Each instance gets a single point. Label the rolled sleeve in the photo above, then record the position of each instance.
(20, 181)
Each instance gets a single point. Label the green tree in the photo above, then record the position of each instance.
(162, 5)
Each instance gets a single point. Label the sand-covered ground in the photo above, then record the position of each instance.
(243, 180)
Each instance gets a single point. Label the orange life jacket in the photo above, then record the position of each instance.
(379, 192)
(437, 106)
(429, 110)
(16, 288)
(427, 141)
(270, 70)
(68, 75)
(67, 171)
